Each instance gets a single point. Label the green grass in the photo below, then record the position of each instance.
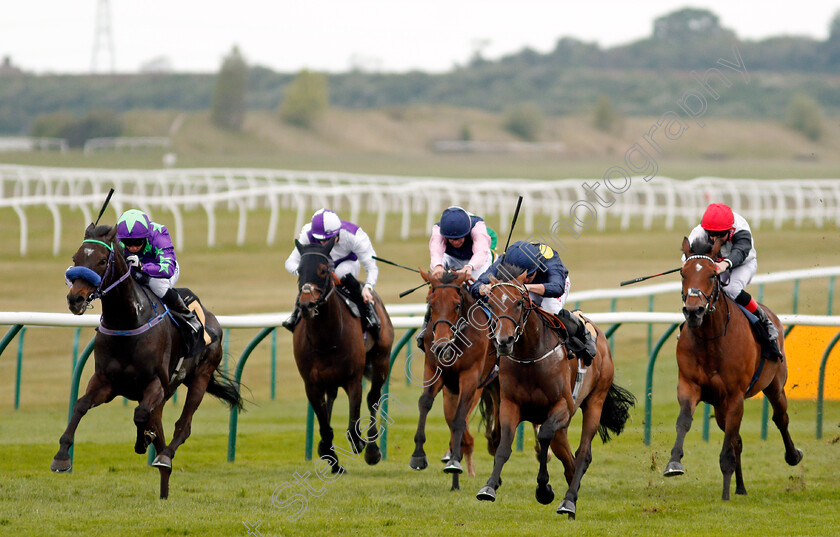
(112, 492)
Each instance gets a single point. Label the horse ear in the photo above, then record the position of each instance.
(522, 277)
(298, 245)
(331, 243)
(686, 247)
(89, 231)
(424, 274)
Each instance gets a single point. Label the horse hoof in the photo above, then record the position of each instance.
(446, 457)
(545, 495)
(162, 461)
(674, 468)
(59, 465)
(338, 469)
(566, 507)
(796, 458)
(454, 467)
(486, 494)
(418, 463)
(373, 455)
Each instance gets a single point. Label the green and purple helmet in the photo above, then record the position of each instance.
(133, 224)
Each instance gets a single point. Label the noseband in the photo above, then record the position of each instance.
(310, 287)
(92, 277)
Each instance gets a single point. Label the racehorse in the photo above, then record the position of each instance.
(136, 353)
(332, 352)
(539, 384)
(720, 363)
(459, 358)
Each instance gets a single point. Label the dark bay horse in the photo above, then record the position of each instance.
(720, 363)
(459, 358)
(136, 353)
(538, 384)
(332, 352)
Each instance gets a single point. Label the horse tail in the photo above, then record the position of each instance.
(615, 412)
(488, 407)
(224, 386)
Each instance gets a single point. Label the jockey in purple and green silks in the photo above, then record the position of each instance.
(149, 252)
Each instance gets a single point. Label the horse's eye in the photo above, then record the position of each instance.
(103, 261)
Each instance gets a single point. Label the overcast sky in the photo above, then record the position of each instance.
(390, 35)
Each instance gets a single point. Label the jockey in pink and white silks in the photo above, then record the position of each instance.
(352, 250)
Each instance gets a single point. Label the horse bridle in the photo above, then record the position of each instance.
(526, 311)
(109, 269)
(711, 302)
(310, 287)
(453, 326)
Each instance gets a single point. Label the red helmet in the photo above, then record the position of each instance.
(718, 217)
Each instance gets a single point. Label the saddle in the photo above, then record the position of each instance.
(761, 335)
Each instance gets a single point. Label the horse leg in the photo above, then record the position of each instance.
(563, 451)
(688, 395)
(466, 394)
(508, 421)
(558, 419)
(468, 442)
(98, 391)
(156, 425)
(739, 474)
(733, 412)
(450, 403)
(322, 407)
(196, 388)
(591, 409)
(372, 453)
(775, 393)
(354, 396)
(152, 398)
(431, 386)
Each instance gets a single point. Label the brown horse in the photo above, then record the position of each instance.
(539, 384)
(332, 352)
(459, 358)
(720, 363)
(136, 351)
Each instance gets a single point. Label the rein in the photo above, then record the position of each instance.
(711, 301)
(453, 326)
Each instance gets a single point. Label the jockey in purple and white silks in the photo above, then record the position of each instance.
(151, 257)
(352, 250)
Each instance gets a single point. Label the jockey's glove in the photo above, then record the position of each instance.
(133, 261)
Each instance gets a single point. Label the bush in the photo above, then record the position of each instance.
(524, 120)
(305, 99)
(606, 118)
(96, 124)
(228, 109)
(805, 115)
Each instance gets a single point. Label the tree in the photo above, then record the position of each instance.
(832, 44)
(606, 118)
(305, 99)
(805, 115)
(228, 109)
(686, 23)
(524, 120)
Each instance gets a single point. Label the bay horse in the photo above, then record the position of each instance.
(332, 352)
(458, 359)
(538, 384)
(136, 353)
(720, 363)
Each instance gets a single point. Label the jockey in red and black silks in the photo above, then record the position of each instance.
(737, 262)
(351, 251)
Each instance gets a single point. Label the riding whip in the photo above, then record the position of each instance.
(513, 223)
(104, 206)
(643, 278)
(404, 293)
(395, 264)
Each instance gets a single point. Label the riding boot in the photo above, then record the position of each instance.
(194, 333)
(580, 343)
(290, 323)
(370, 320)
(770, 335)
(421, 335)
(371, 323)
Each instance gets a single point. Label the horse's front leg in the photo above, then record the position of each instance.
(98, 391)
(591, 408)
(152, 398)
(729, 453)
(432, 384)
(374, 398)
(466, 394)
(159, 441)
(508, 421)
(354, 396)
(688, 395)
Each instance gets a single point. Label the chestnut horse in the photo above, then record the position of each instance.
(332, 352)
(539, 384)
(459, 358)
(720, 363)
(136, 353)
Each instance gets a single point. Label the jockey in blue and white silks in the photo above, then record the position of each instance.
(352, 250)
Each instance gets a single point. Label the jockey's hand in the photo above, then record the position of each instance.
(484, 290)
(437, 272)
(721, 267)
(467, 270)
(133, 261)
(141, 277)
(367, 294)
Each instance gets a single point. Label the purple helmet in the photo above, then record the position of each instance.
(133, 224)
(325, 225)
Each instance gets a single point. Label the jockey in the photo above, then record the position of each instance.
(737, 255)
(151, 258)
(460, 242)
(548, 285)
(351, 251)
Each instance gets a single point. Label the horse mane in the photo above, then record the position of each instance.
(100, 231)
(701, 246)
(508, 272)
(448, 277)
